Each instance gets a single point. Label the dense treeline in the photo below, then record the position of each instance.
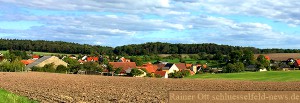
(209, 48)
(52, 46)
(133, 49)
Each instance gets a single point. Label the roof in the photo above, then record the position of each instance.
(167, 66)
(124, 60)
(150, 68)
(38, 61)
(188, 65)
(161, 73)
(267, 57)
(89, 59)
(180, 66)
(123, 65)
(26, 62)
(160, 66)
(298, 61)
(35, 56)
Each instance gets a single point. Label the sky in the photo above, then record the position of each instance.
(254, 23)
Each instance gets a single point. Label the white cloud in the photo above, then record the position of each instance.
(130, 20)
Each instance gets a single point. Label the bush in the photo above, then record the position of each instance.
(135, 72)
(14, 66)
(185, 73)
(234, 68)
(157, 76)
(61, 69)
(176, 74)
(118, 70)
(38, 69)
(275, 67)
(49, 68)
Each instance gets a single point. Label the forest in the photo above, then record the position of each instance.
(149, 48)
(53, 47)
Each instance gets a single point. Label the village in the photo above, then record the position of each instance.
(121, 66)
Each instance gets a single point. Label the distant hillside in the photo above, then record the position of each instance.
(52, 46)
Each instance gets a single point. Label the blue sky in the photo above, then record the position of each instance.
(255, 23)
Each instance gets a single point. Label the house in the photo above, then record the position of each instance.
(35, 57)
(170, 68)
(122, 59)
(27, 62)
(150, 68)
(163, 74)
(126, 66)
(297, 63)
(47, 60)
(180, 66)
(92, 59)
(196, 67)
(88, 59)
(267, 57)
(73, 57)
(188, 65)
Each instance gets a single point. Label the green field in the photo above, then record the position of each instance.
(6, 97)
(3, 51)
(40, 53)
(49, 54)
(253, 76)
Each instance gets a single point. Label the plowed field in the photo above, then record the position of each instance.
(51, 87)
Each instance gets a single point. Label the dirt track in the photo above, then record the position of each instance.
(51, 87)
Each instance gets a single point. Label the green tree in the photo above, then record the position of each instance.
(234, 68)
(262, 62)
(235, 56)
(219, 56)
(248, 57)
(135, 72)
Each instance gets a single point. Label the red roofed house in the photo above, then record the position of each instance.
(123, 60)
(164, 74)
(188, 65)
(26, 62)
(126, 66)
(297, 63)
(180, 66)
(267, 57)
(150, 68)
(92, 59)
(35, 57)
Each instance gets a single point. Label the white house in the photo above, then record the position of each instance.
(170, 68)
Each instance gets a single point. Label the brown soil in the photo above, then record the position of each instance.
(281, 56)
(51, 87)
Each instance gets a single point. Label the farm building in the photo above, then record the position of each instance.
(126, 66)
(163, 74)
(27, 62)
(35, 57)
(170, 68)
(180, 66)
(47, 60)
(297, 63)
(150, 68)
